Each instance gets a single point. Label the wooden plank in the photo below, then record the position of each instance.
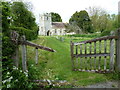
(76, 54)
(85, 63)
(97, 71)
(99, 56)
(17, 57)
(112, 54)
(105, 51)
(72, 57)
(36, 56)
(95, 56)
(24, 53)
(24, 65)
(118, 51)
(92, 55)
(78, 43)
(81, 57)
(98, 39)
(37, 46)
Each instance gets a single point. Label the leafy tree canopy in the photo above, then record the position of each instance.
(82, 20)
(56, 17)
(22, 17)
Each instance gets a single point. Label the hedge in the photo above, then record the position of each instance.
(30, 34)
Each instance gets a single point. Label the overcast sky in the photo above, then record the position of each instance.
(67, 7)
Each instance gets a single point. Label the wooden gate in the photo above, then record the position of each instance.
(17, 40)
(97, 55)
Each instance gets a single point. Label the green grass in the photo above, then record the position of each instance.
(57, 65)
(95, 35)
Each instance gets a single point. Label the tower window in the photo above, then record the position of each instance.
(42, 29)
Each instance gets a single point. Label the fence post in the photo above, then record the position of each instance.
(72, 49)
(111, 54)
(24, 65)
(36, 57)
(17, 57)
(14, 38)
(118, 51)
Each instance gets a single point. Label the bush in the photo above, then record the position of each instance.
(105, 33)
(18, 79)
(7, 47)
(85, 35)
(30, 34)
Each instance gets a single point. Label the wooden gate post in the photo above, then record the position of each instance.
(24, 65)
(112, 54)
(16, 61)
(72, 50)
(36, 57)
(14, 38)
(118, 51)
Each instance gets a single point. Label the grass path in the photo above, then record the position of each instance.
(57, 65)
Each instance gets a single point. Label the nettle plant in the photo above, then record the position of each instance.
(17, 79)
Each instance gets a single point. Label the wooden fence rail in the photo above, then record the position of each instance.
(96, 54)
(23, 42)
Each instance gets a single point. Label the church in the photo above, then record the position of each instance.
(49, 28)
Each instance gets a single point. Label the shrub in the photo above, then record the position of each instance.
(30, 34)
(18, 79)
(105, 33)
(85, 35)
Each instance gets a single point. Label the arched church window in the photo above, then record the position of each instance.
(60, 31)
(55, 31)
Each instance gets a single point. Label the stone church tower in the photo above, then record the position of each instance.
(45, 24)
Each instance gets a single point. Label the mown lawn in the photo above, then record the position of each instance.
(57, 65)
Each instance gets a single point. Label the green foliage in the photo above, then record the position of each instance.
(33, 72)
(22, 17)
(101, 20)
(114, 76)
(82, 20)
(18, 79)
(30, 34)
(56, 17)
(7, 47)
(5, 17)
(105, 33)
(85, 35)
(24, 26)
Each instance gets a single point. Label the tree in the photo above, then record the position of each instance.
(23, 17)
(56, 17)
(6, 14)
(99, 18)
(7, 47)
(112, 23)
(82, 20)
(73, 28)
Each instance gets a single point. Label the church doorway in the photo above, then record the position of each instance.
(48, 33)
